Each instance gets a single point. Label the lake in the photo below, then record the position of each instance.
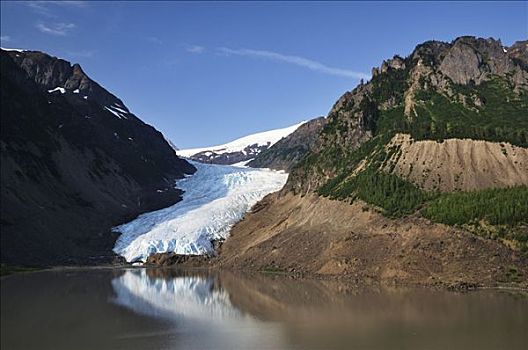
(140, 308)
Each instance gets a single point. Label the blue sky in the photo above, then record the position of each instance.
(205, 73)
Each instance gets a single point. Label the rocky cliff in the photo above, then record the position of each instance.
(288, 151)
(74, 162)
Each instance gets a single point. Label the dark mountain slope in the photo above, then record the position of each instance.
(288, 151)
(73, 163)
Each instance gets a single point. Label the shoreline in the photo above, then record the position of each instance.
(353, 281)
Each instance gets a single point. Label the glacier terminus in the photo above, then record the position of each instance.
(214, 199)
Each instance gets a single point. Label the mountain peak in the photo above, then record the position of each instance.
(51, 73)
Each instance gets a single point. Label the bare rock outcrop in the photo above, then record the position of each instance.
(473, 60)
(519, 52)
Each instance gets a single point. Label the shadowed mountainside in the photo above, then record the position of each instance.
(74, 162)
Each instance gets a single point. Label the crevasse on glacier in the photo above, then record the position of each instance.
(214, 199)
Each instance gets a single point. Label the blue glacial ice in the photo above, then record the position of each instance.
(214, 199)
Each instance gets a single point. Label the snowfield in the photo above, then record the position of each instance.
(260, 139)
(215, 198)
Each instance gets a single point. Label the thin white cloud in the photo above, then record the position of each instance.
(68, 3)
(39, 7)
(60, 29)
(5, 38)
(44, 7)
(195, 49)
(296, 60)
(155, 40)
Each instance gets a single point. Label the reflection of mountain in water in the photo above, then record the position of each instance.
(197, 304)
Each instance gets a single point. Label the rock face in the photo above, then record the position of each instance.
(471, 60)
(170, 259)
(518, 52)
(346, 127)
(74, 163)
(287, 152)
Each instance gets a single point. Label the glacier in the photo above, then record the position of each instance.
(215, 198)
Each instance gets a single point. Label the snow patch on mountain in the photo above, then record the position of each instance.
(260, 139)
(120, 113)
(215, 198)
(58, 88)
(16, 50)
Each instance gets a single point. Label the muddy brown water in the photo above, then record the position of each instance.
(170, 309)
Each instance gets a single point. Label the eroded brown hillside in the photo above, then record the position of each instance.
(458, 164)
(318, 236)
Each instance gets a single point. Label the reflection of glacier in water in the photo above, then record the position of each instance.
(189, 297)
(196, 304)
